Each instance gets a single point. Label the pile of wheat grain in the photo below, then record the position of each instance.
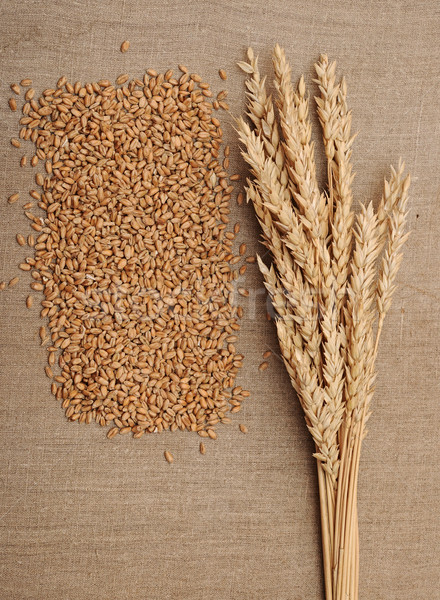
(133, 254)
(329, 285)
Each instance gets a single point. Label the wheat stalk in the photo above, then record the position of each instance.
(329, 286)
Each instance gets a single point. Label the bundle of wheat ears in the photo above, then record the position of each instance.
(331, 282)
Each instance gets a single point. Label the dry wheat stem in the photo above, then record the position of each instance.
(331, 284)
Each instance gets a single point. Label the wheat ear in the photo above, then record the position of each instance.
(396, 195)
(299, 150)
(279, 218)
(335, 119)
(261, 112)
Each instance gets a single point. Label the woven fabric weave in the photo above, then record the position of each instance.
(85, 517)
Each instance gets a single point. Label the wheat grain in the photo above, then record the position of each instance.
(122, 79)
(13, 198)
(137, 272)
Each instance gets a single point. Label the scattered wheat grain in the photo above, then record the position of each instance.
(167, 367)
(111, 432)
(122, 79)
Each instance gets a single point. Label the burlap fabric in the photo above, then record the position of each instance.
(86, 518)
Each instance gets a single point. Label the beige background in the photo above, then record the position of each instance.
(83, 517)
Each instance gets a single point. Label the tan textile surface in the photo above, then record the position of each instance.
(82, 517)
